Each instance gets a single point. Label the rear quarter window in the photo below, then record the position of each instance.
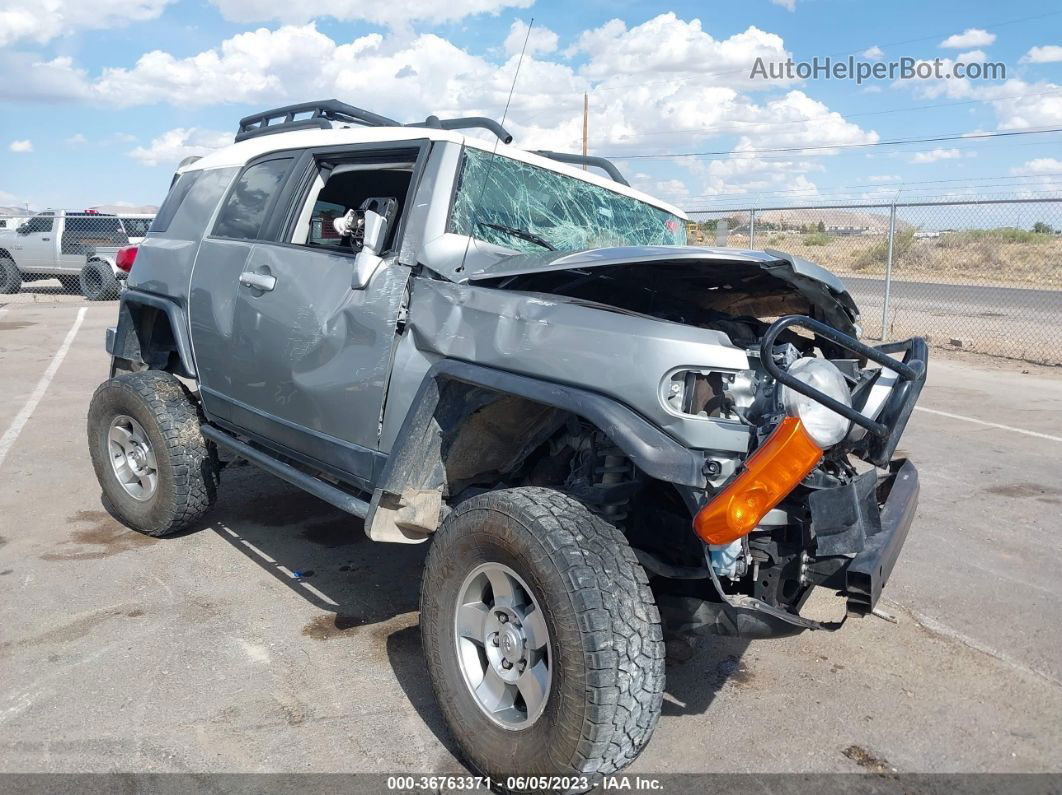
(247, 205)
(178, 190)
(191, 213)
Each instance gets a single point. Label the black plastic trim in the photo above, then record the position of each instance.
(653, 451)
(870, 569)
(178, 325)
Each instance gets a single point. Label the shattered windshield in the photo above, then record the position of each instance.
(529, 209)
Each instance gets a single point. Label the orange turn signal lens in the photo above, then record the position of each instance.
(783, 460)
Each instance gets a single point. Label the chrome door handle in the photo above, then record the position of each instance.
(259, 281)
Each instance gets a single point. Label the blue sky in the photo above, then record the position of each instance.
(99, 101)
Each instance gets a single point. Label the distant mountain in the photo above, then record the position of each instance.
(123, 209)
(114, 209)
(831, 219)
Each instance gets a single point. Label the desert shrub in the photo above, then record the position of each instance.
(817, 239)
(878, 254)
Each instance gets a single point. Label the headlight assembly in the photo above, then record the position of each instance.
(825, 426)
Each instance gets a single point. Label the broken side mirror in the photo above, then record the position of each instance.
(23, 230)
(377, 217)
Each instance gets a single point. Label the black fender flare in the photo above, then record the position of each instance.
(123, 341)
(651, 449)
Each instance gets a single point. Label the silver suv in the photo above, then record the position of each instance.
(604, 433)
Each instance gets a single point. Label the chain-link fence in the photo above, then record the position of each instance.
(984, 276)
(53, 253)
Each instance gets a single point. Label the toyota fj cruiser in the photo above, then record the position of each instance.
(603, 431)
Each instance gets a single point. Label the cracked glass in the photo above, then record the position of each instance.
(528, 209)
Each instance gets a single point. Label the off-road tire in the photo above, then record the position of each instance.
(187, 465)
(10, 276)
(98, 282)
(606, 647)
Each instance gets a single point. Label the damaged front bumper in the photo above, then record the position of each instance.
(851, 535)
(874, 536)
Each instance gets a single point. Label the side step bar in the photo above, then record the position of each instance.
(315, 486)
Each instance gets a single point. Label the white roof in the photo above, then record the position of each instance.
(238, 154)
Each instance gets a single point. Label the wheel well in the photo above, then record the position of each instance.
(148, 341)
(477, 439)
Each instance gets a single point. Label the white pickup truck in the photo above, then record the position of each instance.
(83, 250)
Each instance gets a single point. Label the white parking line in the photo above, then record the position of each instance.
(991, 424)
(15, 428)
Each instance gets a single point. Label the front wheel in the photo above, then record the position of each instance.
(150, 456)
(542, 639)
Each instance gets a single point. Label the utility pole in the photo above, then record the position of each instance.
(586, 121)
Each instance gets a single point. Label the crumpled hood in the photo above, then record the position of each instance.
(728, 266)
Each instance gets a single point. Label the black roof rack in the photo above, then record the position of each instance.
(587, 160)
(322, 113)
(465, 123)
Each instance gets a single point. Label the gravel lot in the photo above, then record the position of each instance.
(202, 652)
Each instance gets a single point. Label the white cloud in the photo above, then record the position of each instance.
(23, 146)
(788, 5)
(882, 178)
(1041, 165)
(874, 53)
(1049, 53)
(934, 155)
(1044, 175)
(971, 37)
(1020, 105)
(541, 39)
(667, 45)
(395, 13)
(173, 146)
(973, 56)
(655, 88)
(77, 139)
(41, 21)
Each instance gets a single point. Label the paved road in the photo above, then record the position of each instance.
(991, 299)
(202, 653)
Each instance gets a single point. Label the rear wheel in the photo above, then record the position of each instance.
(542, 639)
(98, 282)
(10, 276)
(155, 468)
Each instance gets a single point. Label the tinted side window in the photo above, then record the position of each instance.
(192, 219)
(136, 227)
(81, 233)
(39, 223)
(245, 207)
(173, 200)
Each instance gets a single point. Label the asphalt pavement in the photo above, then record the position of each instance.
(204, 653)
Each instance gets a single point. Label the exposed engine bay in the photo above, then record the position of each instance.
(732, 579)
